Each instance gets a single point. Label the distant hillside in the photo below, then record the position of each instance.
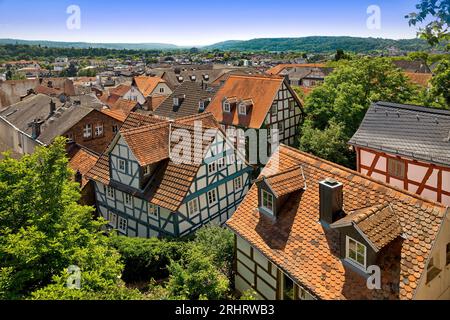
(86, 45)
(322, 44)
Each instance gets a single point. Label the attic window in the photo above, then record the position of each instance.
(432, 269)
(201, 105)
(176, 101)
(226, 107)
(356, 252)
(267, 201)
(193, 78)
(242, 109)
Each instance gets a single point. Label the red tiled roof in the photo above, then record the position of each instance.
(278, 68)
(83, 160)
(261, 89)
(147, 137)
(120, 90)
(146, 85)
(116, 114)
(310, 253)
(421, 79)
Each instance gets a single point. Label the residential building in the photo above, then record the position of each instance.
(258, 102)
(310, 229)
(144, 191)
(39, 119)
(60, 64)
(148, 91)
(406, 146)
(187, 99)
(414, 66)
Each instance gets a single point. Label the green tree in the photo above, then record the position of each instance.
(437, 30)
(438, 94)
(340, 104)
(43, 229)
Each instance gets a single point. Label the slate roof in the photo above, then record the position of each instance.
(416, 132)
(281, 67)
(416, 66)
(194, 92)
(147, 137)
(310, 253)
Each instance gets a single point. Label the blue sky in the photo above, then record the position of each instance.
(200, 22)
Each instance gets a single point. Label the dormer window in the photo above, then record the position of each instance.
(356, 252)
(176, 101)
(146, 170)
(193, 78)
(242, 109)
(226, 107)
(201, 106)
(267, 201)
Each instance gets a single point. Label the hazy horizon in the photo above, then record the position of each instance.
(200, 23)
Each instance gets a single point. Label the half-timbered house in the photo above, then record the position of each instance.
(144, 191)
(310, 229)
(406, 146)
(258, 102)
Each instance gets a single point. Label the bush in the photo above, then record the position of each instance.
(145, 259)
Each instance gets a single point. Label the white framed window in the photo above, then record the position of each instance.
(242, 109)
(87, 131)
(193, 208)
(129, 200)
(146, 170)
(356, 252)
(98, 129)
(273, 110)
(231, 159)
(212, 167)
(152, 210)
(161, 90)
(69, 137)
(122, 165)
(226, 107)
(238, 184)
(112, 219)
(122, 225)
(267, 200)
(110, 192)
(201, 105)
(212, 196)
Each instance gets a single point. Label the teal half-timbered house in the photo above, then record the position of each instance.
(143, 190)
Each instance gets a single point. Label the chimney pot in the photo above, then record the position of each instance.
(331, 200)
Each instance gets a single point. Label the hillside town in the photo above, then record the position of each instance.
(226, 175)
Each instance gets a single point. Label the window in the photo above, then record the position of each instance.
(161, 90)
(292, 105)
(112, 219)
(193, 207)
(267, 200)
(212, 167)
(122, 165)
(221, 163)
(226, 107)
(98, 130)
(273, 110)
(288, 288)
(146, 170)
(201, 105)
(87, 131)
(110, 192)
(238, 183)
(432, 269)
(128, 200)
(212, 197)
(69, 137)
(242, 109)
(123, 224)
(152, 210)
(231, 159)
(115, 129)
(356, 252)
(396, 168)
(281, 126)
(448, 254)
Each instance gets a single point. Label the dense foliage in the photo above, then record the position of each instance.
(336, 108)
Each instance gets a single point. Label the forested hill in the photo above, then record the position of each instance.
(322, 44)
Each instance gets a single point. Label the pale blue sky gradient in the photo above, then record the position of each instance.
(200, 22)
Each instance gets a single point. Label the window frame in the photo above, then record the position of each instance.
(87, 131)
(110, 193)
(152, 210)
(112, 219)
(265, 200)
(347, 253)
(209, 197)
(119, 162)
(122, 224)
(244, 109)
(241, 183)
(213, 165)
(193, 204)
(100, 132)
(393, 166)
(128, 200)
(226, 107)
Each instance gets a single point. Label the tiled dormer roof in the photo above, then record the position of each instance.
(147, 85)
(285, 182)
(379, 224)
(310, 252)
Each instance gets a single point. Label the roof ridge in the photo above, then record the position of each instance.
(152, 126)
(412, 107)
(384, 184)
(290, 169)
